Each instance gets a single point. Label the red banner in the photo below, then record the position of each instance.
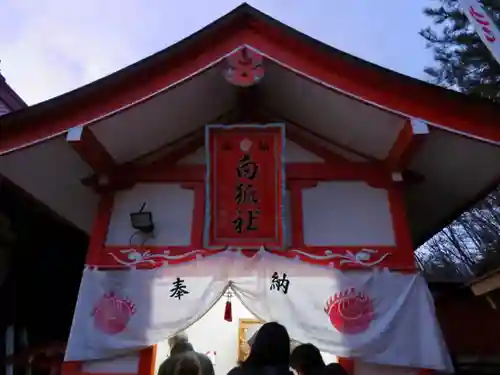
(245, 177)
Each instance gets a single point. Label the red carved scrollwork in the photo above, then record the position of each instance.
(336, 257)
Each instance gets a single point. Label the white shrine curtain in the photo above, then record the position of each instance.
(379, 316)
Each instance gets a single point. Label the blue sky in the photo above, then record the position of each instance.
(50, 47)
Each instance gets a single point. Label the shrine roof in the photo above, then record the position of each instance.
(349, 105)
(244, 18)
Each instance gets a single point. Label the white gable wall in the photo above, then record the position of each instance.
(172, 209)
(335, 213)
(343, 213)
(346, 213)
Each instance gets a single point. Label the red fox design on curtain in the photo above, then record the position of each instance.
(112, 313)
(350, 312)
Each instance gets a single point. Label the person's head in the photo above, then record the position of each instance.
(271, 347)
(179, 338)
(306, 359)
(188, 364)
(335, 369)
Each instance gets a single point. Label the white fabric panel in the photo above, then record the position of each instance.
(379, 316)
(403, 308)
(156, 316)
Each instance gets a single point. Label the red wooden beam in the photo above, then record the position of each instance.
(347, 172)
(181, 151)
(313, 147)
(165, 156)
(370, 172)
(385, 256)
(158, 173)
(295, 189)
(408, 141)
(86, 144)
(161, 162)
(302, 131)
(198, 220)
(180, 147)
(100, 226)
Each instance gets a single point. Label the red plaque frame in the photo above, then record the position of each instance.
(245, 186)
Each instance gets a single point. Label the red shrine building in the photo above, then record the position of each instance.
(251, 159)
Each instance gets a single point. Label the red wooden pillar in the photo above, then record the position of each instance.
(198, 221)
(401, 228)
(347, 364)
(100, 228)
(147, 361)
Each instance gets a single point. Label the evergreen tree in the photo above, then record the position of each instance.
(464, 63)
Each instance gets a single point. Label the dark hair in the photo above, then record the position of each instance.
(187, 364)
(335, 369)
(307, 359)
(271, 347)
